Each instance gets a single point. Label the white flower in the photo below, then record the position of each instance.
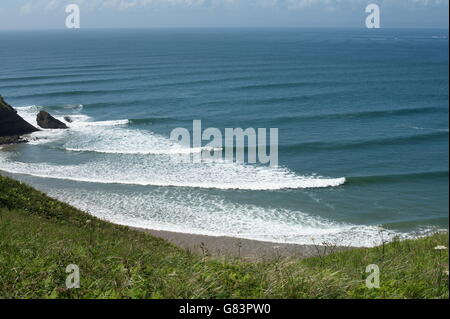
(440, 247)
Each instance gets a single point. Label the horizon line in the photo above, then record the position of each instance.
(228, 27)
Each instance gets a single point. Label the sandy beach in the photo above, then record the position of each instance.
(223, 246)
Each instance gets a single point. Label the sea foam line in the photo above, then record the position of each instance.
(192, 150)
(163, 169)
(166, 172)
(207, 214)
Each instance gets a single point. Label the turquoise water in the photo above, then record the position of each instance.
(362, 118)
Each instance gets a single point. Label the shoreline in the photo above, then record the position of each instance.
(121, 262)
(227, 246)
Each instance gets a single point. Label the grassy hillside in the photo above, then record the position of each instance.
(40, 236)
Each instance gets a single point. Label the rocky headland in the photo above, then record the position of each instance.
(12, 126)
(45, 120)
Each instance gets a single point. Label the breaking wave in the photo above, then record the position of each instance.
(122, 155)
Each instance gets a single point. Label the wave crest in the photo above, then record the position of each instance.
(119, 154)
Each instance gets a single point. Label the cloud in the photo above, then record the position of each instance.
(52, 4)
(330, 5)
(26, 9)
(124, 4)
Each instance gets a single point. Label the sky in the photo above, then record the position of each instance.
(50, 14)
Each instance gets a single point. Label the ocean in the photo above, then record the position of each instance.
(362, 116)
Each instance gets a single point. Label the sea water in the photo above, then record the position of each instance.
(362, 117)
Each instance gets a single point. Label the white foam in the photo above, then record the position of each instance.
(173, 151)
(160, 168)
(28, 113)
(110, 137)
(129, 156)
(428, 128)
(44, 136)
(81, 124)
(167, 171)
(206, 214)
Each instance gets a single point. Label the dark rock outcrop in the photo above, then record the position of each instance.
(12, 139)
(68, 119)
(12, 125)
(45, 120)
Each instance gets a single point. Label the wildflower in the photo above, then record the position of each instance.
(440, 247)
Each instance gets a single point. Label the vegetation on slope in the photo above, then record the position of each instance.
(40, 236)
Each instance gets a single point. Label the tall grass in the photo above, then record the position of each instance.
(40, 236)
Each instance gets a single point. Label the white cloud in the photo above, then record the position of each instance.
(50, 5)
(26, 9)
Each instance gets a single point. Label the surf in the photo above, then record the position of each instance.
(124, 155)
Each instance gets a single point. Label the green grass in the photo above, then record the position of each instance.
(40, 236)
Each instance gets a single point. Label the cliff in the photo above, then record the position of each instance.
(11, 124)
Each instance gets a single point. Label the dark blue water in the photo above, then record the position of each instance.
(362, 118)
